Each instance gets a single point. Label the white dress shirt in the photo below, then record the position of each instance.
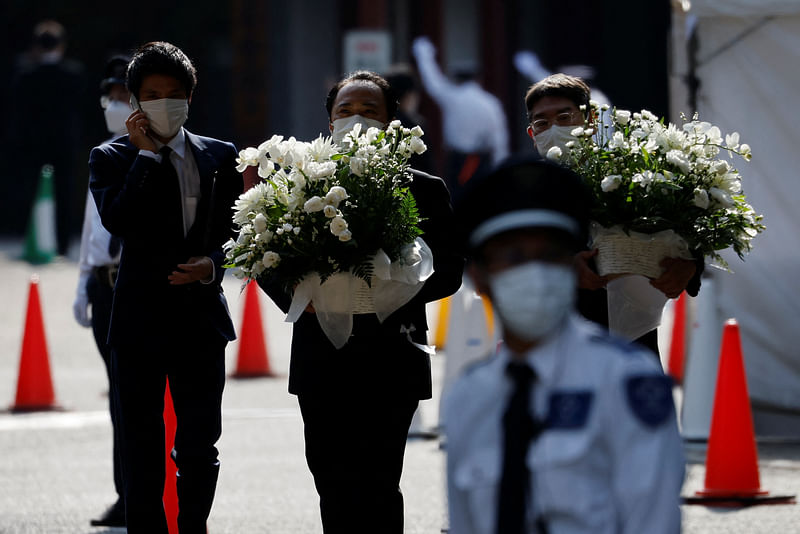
(610, 460)
(473, 120)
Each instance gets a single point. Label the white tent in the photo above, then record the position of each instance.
(748, 66)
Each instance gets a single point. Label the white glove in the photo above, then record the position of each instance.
(80, 309)
(422, 46)
(528, 64)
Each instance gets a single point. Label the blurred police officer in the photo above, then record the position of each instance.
(99, 260)
(558, 430)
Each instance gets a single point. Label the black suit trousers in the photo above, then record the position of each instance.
(357, 469)
(194, 362)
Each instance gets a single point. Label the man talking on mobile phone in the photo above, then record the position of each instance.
(167, 194)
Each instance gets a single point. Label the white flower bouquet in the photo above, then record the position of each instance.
(333, 222)
(650, 179)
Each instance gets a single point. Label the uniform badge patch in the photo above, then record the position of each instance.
(568, 410)
(650, 398)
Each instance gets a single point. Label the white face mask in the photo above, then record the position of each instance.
(166, 115)
(116, 114)
(342, 126)
(554, 136)
(532, 299)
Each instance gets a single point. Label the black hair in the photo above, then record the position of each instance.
(365, 76)
(563, 85)
(159, 57)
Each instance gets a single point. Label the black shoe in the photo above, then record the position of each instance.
(113, 517)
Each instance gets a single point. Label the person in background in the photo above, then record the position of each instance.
(45, 124)
(382, 368)
(473, 121)
(98, 264)
(405, 87)
(167, 193)
(554, 109)
(557, 431)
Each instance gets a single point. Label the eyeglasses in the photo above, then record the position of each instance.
(562, 119)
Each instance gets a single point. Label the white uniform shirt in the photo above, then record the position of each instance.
(611, 460)
(94, 244)
(472, 119)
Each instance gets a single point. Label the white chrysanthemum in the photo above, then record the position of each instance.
(395, 124)
(248, 202)
(416, 131)
(345, 235)
(329, 211)
(611, 182)
(338, 225)
(270, 259)
(318, 171)
(321, 149)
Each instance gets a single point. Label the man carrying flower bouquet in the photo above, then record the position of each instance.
(167, 194)
(382, 370)
(555, 107)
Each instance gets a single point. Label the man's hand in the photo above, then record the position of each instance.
(422, 46)
(137, 125)
(587, 278)
(676, 276)
(197, 268)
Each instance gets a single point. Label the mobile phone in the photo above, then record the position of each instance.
(135, 104)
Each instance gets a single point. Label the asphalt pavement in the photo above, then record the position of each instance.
(55, 466)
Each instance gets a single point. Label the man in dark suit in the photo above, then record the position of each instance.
(167, 194)
(378, 377)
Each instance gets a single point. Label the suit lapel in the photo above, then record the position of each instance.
(207, 168)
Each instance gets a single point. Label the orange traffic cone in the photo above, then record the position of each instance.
(170, 482)
(732, 477)
(252, 360)
(677, 348)
(34, 385)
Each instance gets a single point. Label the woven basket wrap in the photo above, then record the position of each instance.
(635, 252)
(363, 301)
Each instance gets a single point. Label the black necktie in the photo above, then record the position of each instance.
(171, 183)
(519, 428)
